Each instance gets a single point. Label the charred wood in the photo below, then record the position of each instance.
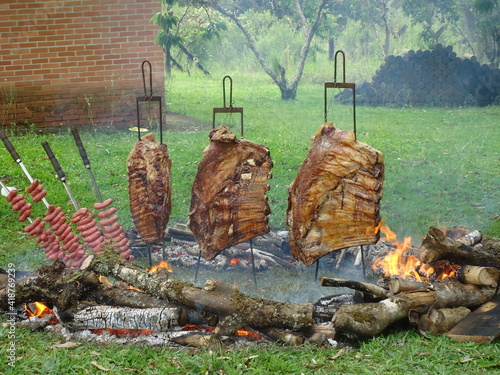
(436, 245)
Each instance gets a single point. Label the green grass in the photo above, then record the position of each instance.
(399, 352)
(442, 168)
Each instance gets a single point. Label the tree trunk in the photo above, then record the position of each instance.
(288, 91)
(331, 49)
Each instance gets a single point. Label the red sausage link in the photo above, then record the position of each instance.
(17, 198)
(84, 227)
(37, 198)
(109, 221)
(122, 242)
(34, 224)
(49, 217)
(109, 212)
(90, 232)
(93, 237)
(18, 205)
(115, 234)
(33, 185)
(24, 216)
(85, 220)
(25, 208)
(11, 195)
(106, 203)
(111, 228)
(64, 228)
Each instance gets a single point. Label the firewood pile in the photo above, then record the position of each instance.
(152, 307)
(434, 77)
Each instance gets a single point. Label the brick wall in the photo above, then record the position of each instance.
(76, 62)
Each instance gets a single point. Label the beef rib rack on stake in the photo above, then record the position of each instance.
(334, 201)
(149, 188)
(228, 198)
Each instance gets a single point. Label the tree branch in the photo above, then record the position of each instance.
(250, 42)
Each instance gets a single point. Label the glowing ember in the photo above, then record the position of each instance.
(245, 333)
(104, 280)
(39, 310)
(235, 261)
(162, 265)
(195, 327)
(406, 266)
(134, 288)
(241, 332)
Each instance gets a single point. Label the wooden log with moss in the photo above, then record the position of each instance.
(233, 307)
(370, 319)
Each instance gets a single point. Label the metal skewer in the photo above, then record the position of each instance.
(60, 173)
(17, 159)
(86, 162)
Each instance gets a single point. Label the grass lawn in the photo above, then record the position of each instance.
(442, 169)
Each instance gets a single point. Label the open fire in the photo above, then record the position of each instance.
(37, 309)
(403, 264)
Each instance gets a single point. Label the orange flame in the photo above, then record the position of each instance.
(162, 265)
(404, 265)
(40, 310)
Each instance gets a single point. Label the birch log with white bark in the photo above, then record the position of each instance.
(120, 317)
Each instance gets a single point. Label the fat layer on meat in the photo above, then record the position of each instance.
(149, 188)
(228, 197)
(334, 201)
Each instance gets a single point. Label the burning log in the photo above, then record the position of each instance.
(370, 319)
(436, 245)
(235, 309)
(228, 198)
(334, 201)
(438, 321)
(398, 285)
